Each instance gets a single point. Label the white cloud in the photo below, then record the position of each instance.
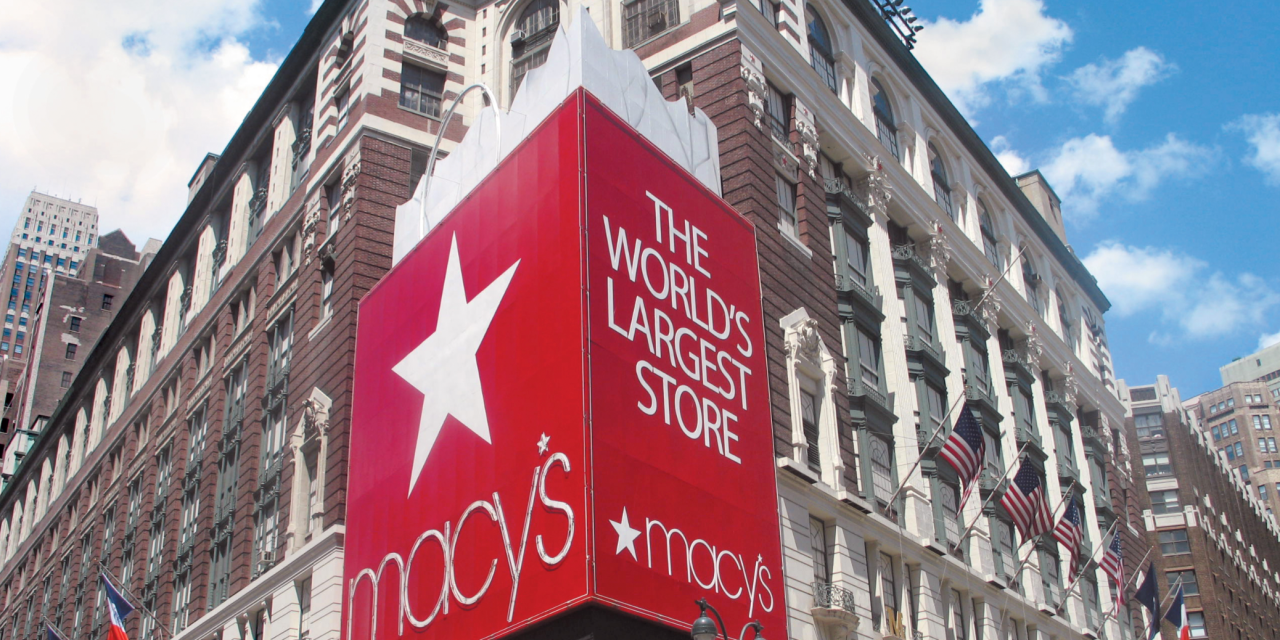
(1012, 161)
(1005, 41)
(1087, 170)
(1190, 303)
(116, 103)
(1268, 339)
(1113, 84)
(1263, 133)
(315, 6)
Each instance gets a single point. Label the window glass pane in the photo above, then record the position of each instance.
(786, 204)
(818, 547)
(869, 358)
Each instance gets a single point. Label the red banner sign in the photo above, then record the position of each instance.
(561, 397)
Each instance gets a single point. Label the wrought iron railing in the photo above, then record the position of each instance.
(833, 596)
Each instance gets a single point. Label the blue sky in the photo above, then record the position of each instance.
(1142, 115)
(1155, 121)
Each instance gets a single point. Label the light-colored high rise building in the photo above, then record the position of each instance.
(1261, 366)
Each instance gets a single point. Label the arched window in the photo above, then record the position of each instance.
(531, 38)
(644, 19)
(821, 53)
(886, 127)
(941, 185)
(988, 230)
(426, 31)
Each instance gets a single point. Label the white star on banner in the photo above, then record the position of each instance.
(543, 442)
(626, 535)
(444, 366)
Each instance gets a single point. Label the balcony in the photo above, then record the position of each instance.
(909, 255)
(1059, 402)
(854, 292)
(859, 389)
(833, 596)
(920, 346)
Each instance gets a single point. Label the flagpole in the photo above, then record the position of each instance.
(1003, 275)
(1128, 581)
(107, 572)
(920, 458)
(1016, 460)
(1080, 574)
(55, 628)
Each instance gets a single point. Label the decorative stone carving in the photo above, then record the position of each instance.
(806, 126)
(311, 228)
(423, 53)
(808, 342)
(875, 186)
(786, 163)
(1070, 388)
(939, 251)
(350, 174)
(757, 90)
(1033, 347)
(990, 309)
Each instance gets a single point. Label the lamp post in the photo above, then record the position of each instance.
(704, 628)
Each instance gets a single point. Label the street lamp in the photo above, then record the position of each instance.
(704, 628)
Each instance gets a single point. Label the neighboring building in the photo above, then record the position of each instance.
(200, 453)
(1213, 534)
(1241, 420)
(70, 314)
(1263, 366)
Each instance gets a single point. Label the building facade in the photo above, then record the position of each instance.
(1215, 537)
(1240, 419)
(71, 313)
(199, 456)
(1262, 366)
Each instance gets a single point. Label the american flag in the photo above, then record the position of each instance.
(1113, 563)
(1070, 532)
(1025, 501)
(965, 450)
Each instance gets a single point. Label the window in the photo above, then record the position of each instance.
(855, 257)
(1271, 445)
(1266, 422)
(334, 197)
(531, 39)
(1064, 321)
(1235, 428)
(1150, 425)
(1239, 447)
(1216, 434)
(941, 185)
(421, 90)
(1189, 586)
(1244, 473)
(869, 358)
(924, 316)
(107, 301)
(426, 31)
(644, 19)
(949, 495)
(936, 405)
(882, 469)
(888, 587)
(989, 245)
(819, 549)
(1157, 464)
(779, 108)
(1174, 542)
(1165, 502)
(821, 53)
(786, 206)
(1262, 492)
(886, 127)
(326, 293)
(71, 351)
(1231, 453)
(66, 379)
(1005, 547)
(1195, 619)
(1049, 576)
(958, 623)
(809, 409)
